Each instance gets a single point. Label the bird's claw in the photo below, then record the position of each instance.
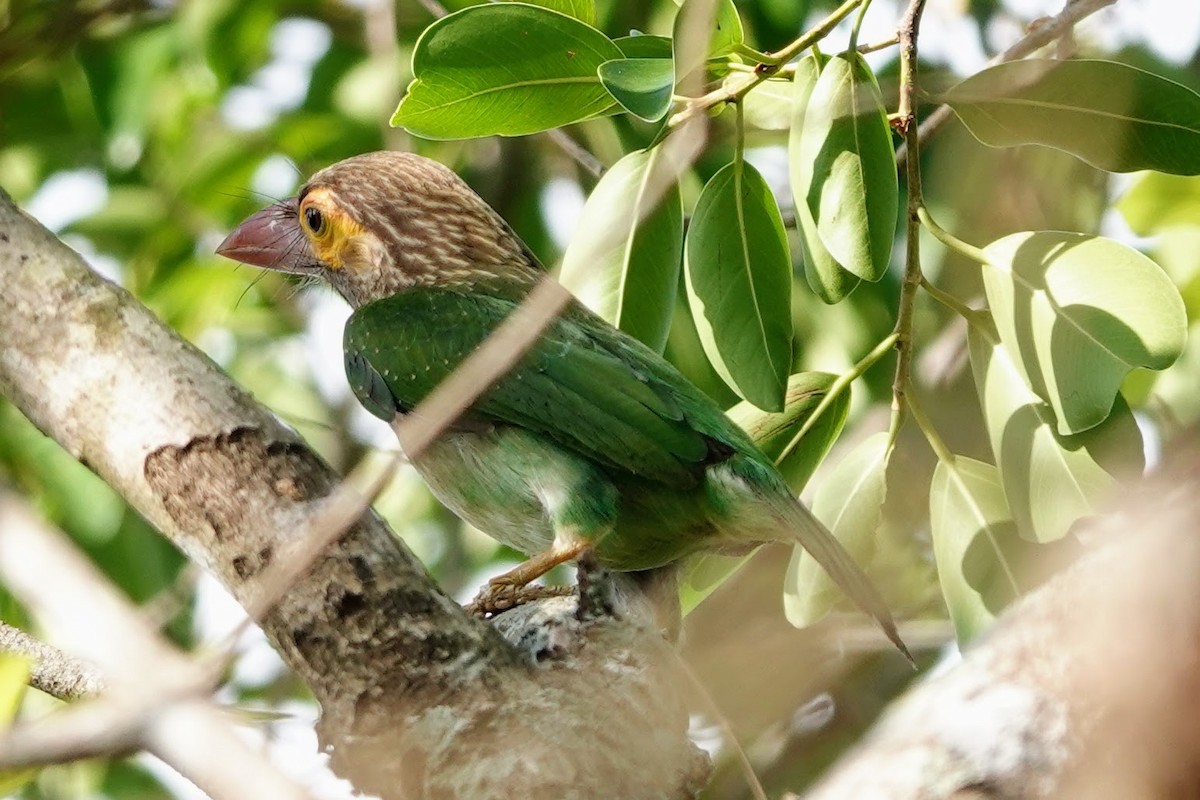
(498, 596)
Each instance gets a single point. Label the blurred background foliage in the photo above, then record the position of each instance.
(141, 131)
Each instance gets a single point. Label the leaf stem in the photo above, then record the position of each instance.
(862, 13)
(881, 45)
(951, 302)
(839, 385)
(906, 123)
(758, 56)
(936, 444)
(739, 151)
(950, 240)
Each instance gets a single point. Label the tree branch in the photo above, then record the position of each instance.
(53, 672)
(1086, 688)
(417, 697)
(154, 695)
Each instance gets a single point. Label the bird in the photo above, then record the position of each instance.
(593, 444)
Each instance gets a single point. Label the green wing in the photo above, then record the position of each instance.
(583, 385)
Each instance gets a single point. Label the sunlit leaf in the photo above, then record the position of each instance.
(828, 279)
(769, 105)
(14, 677)
(974, 538)
(623, 261)
(506, 69)
(850, 503)
(642, 86)
(727, 34)
(774, 433)
(1159, 201)
(739, 284)
(1077, 313)
(1050, 480)
(1113, 116)
(852, 193)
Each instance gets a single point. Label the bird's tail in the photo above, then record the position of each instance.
(802, 527)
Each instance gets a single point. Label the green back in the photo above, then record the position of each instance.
(584, 385)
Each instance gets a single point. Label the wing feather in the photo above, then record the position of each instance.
(582, 385)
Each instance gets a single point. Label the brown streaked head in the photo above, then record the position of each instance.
(377, 224)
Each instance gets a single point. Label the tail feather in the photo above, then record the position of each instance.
(806, 530)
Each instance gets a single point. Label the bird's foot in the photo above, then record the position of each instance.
(499, 595)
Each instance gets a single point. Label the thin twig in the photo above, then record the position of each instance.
(872, 47)
(734, 90)
(840, 384)
(1042, 33)
(580, 154)
(434, 7)
(148, 680)
(706, 699)
(906, 122)
(52, 670)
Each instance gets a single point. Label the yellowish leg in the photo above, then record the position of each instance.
(510, 589)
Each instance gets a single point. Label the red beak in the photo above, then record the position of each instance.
(271, 239)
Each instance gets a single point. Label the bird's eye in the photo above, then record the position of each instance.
(315, 220)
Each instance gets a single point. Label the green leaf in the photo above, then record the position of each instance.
(974, 543)
(727, 35)
(703, 574)
(1113, 116)
(1050, 480)
(852, 193)
(504, 69)
(739, 284)
(642, 45)
(769, 105)
(14, 678)
(850, 503)
(728, 32)
(582, 10)
(774, 434)
(623, 261)
(1077, 313)
(828, 279)
(1159, 201)
(642, 86)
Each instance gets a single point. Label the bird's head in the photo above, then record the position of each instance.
(377, 224)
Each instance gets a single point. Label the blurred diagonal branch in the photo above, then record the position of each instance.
(153, 697)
